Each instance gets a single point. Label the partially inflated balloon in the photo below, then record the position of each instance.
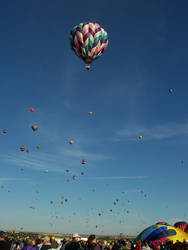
(88, 41)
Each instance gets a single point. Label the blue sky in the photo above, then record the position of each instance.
(127, 89)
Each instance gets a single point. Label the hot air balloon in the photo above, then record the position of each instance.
(27, 151)
(140, 137)
(74, 177)
(181, 224)
(82, 173)
(88, 41)
(51, 202)
(34, 127)
(46, 171)
(67, 170)
(71, 142)
(83, 162)
(37, 191)
(22, 169)
(170, 91)
(66, 200)
(90, 113)
(38, 146)
(32, 109)
(162, 233)
(5, 131)
(22, 148)
(62, 202)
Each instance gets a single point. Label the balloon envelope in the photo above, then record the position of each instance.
(162, 233)
(34, 127)
(88, 41)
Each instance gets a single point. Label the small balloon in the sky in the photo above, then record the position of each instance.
(90, 113)
(117, 200)
(74, 177)
(93, 189)
(71, 142)
(62, 202)
(128, 201)
(32, 109)
(5, 131)
(67, 170)
(140, 137)
(83, 162)
(8, 191)
(110, 210)
(182, 161)
(38, 146)
(114, 203)
(145, 195)
(171, 91)
(37, 191)
(99, 214)
(46, 171)
(82, 173)
(68, 180)
(22, 148)
(34, 127)
(27, 151)
(22, 169)
(66, 200)
(51, 202)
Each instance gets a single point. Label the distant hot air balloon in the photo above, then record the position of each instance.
(51, 202)
(67, 170)
(83, 162)
(34, 127)
(170, 91)
(37, 191)
(71, 142)
(88, 41)
(27, 151)
(46, 171)
(32, 109)
(38, 146)
(74, 177)
(5, 131)
(22, 169)
(90, 113)
(22, 148)
(82, 173)
(62, 202)
(140, 137)
(66, 200)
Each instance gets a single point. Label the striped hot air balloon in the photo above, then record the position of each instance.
(88, 41)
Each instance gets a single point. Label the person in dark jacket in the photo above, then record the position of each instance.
(74, 244)
(5, 244)
(92, 243)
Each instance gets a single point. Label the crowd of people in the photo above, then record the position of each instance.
(76, 243)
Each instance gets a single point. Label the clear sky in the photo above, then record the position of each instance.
(127, 89)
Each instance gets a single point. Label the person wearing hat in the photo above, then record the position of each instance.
(74, 244)
(46, 243)
(4, 243)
